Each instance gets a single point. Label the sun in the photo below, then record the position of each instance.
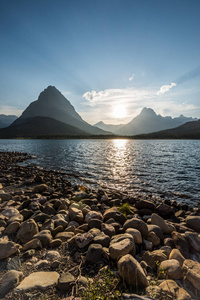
(119, 111)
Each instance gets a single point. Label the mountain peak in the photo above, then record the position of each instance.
(147, 112)
(49, 93)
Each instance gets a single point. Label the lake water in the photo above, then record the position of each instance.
(163, 168)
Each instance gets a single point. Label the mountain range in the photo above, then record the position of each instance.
(53, 116)
(147, 121)
(6, 120)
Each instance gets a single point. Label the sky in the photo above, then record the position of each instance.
(109, 58)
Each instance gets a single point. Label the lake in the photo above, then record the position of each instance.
(161, 168)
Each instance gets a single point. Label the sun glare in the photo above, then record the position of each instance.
(119, 111)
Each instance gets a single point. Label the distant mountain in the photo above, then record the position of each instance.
(189, 130)
(38, 127)
(108, 127)
(147, 121)
(52, 104)
(6, 120)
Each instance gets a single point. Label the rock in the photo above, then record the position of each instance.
(121, 248)
(40, 188)
(43, 263)
(181, 243)
(148, 244)
(192, 270)
(64, 236)
(102, 239)
(12, 228)
(5, 196)
(176, 254)
(27, 230)
(14, 264)
(108, 229)
(94, 223)
(135, 234)
(157, 230)
(142, 204)
(55, 243)
(171, 290)
(135, 297)
(170, 269)
(44, 236)
(193, 222)
(48, 225)
(131, 271)
(83, 240)
(53, 255)
(7, 249)
(165, 210)
(76, 214)
(38, 280)
(28, 253)
(66, 281)
(93, 215)
(166, 249)
(94, 253)
(168, 242)
(115, 214)
(33, 244)
(16, 218)
(154, 239)
(159, 221)
(194, 240)
(10, 212)
(154, 257)
(9, 281)
(137, 224)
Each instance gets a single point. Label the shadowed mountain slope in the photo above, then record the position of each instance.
(190, 130)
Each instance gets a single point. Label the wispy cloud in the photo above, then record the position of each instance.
(166, 88)
(10, 110)
(131, 78)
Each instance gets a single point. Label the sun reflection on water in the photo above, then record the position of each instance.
(118, 158)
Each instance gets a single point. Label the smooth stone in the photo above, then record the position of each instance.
(158, 231)
(181, 243)
(121, 248)
(145, 204)
(154, 239)
(135, 234)
(159, 221)
(154, 257)
(115, 214)
(94, 253)
(170, 269)
(148, 244)
(66, 281)
(171, 290)
(43, 263)
(5, 196)
(102, 239)
(193, 222)
(76, 214)
(108, 229)
(165, 210)
(64, 236)
(137, 224)
(38, 280)
(27, 230)
(131, 271)
(51, 255)
(194, 240)
(176, 254)
(12, 228)
(94, 223)
(33, 244)
(93, 215)
(55, 243)
(9, 281)
(40, 188)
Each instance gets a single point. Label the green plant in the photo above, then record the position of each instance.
(125, 209)
(103, 287)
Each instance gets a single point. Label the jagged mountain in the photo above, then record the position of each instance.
(38, 127)
(6, 120)
(52, 104)
(189, 130)
(147, 121)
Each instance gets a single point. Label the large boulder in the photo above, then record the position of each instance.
(193, 222)
(154, 258)
(137, 224)
(170, 269)
(131, 271)
(27, 230)
(159, 221)
(171, 290)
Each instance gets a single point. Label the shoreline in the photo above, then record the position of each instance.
(78, 230)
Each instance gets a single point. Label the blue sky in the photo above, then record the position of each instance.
(110, 58)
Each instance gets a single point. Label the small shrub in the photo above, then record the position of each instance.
(125, 209)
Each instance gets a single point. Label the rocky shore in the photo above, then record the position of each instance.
(63, 241)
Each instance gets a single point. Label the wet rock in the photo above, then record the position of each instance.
(171, 290)
(44, 236)
(154, 258)
(27, 230)
(38, 280)
(170, 269)
(159, 221)
(131, 271)
(9, 281)
(176, 254)
(192, 272)
(193, 222)
(66, 281)
(7, 249)
(94, 253)
(137, 224)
